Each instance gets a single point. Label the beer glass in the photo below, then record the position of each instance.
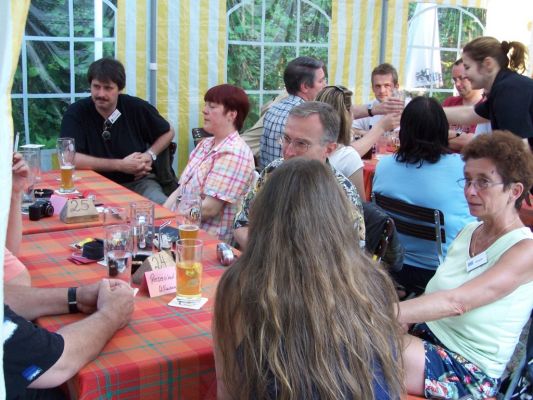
(117, 251)
(66, 152)
(189, 215)
(32, 159)
(189, 268)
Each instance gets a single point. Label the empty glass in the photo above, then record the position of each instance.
(117, 251)
(31, 156)
(142, 223)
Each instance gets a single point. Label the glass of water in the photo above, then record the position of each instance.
(117, 250)
(31, 156)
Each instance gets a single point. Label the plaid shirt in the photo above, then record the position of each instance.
(274, 127)
(241, 219)
(223, 172)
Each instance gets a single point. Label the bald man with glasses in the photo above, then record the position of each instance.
(311, 131)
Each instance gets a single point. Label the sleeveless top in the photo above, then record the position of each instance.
(487, 335)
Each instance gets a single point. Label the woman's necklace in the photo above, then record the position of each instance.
(492, 238)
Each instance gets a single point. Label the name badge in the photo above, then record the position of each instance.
(476, 262)
(113, 117)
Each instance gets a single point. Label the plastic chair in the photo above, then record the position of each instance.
(198, 134)
(416, 221)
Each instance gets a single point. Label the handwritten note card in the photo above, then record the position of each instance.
(161, 281)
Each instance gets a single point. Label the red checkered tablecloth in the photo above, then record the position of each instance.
(106, 191)
(164, 352)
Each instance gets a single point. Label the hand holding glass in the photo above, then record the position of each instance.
(66, 153)
(189, 215)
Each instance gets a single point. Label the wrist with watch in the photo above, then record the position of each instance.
(152, 154)
(369, 110)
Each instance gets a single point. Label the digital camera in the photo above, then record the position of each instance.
(40, 209)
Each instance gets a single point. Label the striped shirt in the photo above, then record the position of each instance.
(224, 172)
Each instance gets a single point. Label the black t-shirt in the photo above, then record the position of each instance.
(29, 351)
(138, 126)
(509, 104)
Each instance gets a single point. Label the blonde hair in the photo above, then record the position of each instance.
(340, 98)
(304, 311)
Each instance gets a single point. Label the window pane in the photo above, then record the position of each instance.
(245, 23)
(18, 118)
(471, 30)
(83, 57)
(17, 79)
(320, 53)
(109, 49)
(276, 59)
(314, 27)
(45, 120)
(253, 115)
(244, 66)
(281, 21)
(447, 58)
(83, 16)
(48, 67)
(47, 18)
(449, 26)
(108, 22)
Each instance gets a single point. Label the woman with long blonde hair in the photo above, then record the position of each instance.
(303, 313)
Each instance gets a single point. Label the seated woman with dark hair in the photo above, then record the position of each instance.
(475, 307)
(423, 172)
(221, 167)
(303, 313)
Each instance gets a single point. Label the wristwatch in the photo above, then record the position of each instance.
(369, 109)
(152, 154)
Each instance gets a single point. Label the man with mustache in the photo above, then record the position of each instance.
(117, 135)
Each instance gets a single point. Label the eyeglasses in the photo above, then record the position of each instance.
(479, 184)
(298, 145)
(106, 135)
(347, 93)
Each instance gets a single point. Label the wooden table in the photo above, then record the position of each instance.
(164, 352)
(106, 191)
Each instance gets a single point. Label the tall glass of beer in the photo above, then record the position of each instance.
(66, 152)
(189, 268)
(189, 215)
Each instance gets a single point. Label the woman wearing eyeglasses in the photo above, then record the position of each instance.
(345, 158)
(474, 308)
(221, 167)
(423, 172)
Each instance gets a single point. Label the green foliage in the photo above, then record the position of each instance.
(48, 69)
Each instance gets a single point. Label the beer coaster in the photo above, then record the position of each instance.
(193, 304)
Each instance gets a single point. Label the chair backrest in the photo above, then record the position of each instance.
(198, 134)
(416, 221)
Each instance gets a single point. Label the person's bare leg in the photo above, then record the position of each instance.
(414, 359)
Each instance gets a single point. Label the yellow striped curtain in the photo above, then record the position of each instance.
(355, 40)
(13, 16)
(191, 57)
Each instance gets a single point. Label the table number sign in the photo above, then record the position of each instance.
(157, 261)
(78, 210)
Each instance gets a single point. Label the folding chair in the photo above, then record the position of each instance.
(199, 134)
(416, 221)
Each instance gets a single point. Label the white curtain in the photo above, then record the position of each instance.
(12, 21)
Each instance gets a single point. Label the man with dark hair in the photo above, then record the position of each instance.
(311, 131)
(461, 135)
(304, 77)
(118, 135)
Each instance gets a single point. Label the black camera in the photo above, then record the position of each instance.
(40, 209)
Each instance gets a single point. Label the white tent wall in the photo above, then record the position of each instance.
(12, 21)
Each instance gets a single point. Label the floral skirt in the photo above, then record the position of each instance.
(449, 375)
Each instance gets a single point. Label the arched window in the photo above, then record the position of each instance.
(60, 41)
(456, 27)
(264, 35)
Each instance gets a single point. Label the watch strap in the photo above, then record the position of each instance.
(72, 302)
(369, 109)
(152, 154)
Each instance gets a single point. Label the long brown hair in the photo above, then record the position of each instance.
(303, 312)
(487, 46)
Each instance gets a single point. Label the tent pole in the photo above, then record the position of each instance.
(383, 38)
(153, 53)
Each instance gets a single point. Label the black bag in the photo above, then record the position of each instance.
(376, 221)
(163, 170)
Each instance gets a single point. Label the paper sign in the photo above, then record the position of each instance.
(58, 202)
(161, 281)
